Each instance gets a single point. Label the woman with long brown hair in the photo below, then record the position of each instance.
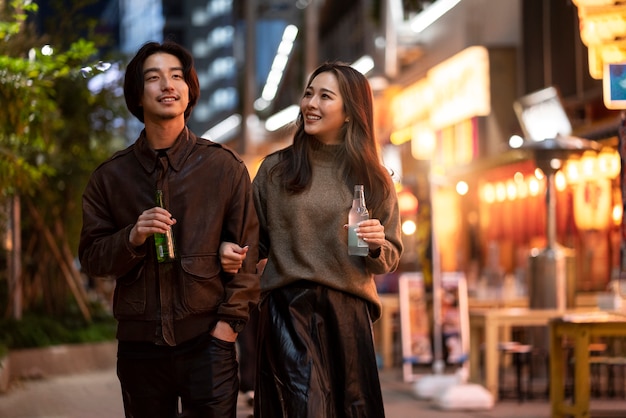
(316, 354)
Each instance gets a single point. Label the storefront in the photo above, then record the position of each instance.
(487, 199)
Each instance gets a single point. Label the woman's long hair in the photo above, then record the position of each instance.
(358, 158)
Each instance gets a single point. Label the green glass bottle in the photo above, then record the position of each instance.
(165, 248)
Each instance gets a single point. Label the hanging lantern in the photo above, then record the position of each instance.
(593, 205)
(572, 172)
(609, 163)
(588, 165)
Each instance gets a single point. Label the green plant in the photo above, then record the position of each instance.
(54, 131)
(41, 330)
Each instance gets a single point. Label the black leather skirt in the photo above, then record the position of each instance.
(316, 356)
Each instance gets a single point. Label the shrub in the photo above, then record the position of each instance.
(38, 330)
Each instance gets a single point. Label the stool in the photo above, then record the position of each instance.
(521, 355)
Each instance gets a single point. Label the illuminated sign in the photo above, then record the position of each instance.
(454, 90)
(603, 30)
(602, 27)
(412, 104)
(460, 87)
(614, 86)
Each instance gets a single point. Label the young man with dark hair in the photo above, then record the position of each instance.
(177, 320)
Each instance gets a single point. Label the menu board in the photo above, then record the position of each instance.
(451, 318)
(414, 319)
(418, 322)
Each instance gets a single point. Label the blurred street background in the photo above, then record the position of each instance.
(502, 123)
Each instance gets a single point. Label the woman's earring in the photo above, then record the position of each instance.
(347, 120)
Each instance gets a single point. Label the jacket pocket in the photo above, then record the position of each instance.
(202, 286)
(130, 294)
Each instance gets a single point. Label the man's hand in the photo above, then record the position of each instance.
(232, 256)
(151, 221)
(223, 331)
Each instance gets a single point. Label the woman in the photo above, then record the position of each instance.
(316, 353)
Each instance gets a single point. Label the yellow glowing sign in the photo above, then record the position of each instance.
(602, 27)
(603, 30)
(413, 104)
(593, 3)
(461, 87)
(453, 91)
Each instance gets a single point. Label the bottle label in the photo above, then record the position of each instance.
(353, 239)
(164, 243)
(356, 246)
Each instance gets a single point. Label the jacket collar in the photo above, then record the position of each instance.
(176, 155)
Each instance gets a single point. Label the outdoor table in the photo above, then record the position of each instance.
(486, 326)
(580, 329)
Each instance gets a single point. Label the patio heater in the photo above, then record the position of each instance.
(551, 273)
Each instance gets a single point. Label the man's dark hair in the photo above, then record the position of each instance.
(133, 79)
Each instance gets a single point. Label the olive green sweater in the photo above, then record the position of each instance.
(302, 235)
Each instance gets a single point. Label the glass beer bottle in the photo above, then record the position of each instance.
(358, 213)
(165, 249)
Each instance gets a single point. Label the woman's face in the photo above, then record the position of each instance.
(322, 109)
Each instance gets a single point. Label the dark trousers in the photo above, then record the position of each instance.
(247, 340)
(203, 375)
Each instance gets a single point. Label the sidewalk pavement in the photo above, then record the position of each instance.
(96, 394)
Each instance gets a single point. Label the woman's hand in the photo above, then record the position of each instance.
(372, 232)
(232, 256)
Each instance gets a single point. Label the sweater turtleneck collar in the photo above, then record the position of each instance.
(324, 152)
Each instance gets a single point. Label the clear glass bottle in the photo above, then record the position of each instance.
(164, 243)
(358, 213)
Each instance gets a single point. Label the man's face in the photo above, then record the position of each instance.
(165, 92)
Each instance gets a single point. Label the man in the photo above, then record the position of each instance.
(178, 320)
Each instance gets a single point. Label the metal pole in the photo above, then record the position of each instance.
(438, 361)
(311, 15)
(550, 210)
(250, 85)
(391, 9)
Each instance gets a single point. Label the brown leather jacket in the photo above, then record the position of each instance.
(207, 190)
